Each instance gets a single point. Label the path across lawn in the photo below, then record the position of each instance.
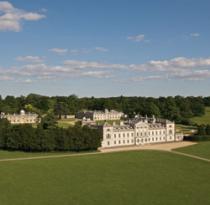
(168, 147)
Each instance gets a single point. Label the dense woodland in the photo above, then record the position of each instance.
(48, 137)
(178, 108)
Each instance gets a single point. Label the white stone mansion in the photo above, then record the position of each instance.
(22, 118)
(140, 131)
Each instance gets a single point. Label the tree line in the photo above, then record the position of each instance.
(203, 130)
(48, 137)
(178, 108)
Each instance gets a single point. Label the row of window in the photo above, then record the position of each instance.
(140, 134)
(121, 142)
(156, 139)
(151, 139)
(14, 121)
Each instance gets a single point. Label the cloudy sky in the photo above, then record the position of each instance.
(105, 48)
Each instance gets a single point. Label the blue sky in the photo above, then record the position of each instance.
(105, 48)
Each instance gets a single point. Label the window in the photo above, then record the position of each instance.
(108, 143)
(127, 141)
(119, 142)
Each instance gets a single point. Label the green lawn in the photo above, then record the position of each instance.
(186, 129)
(127, 178)
(65, 123)
(19, 154)
(205, 119)
(201, 149)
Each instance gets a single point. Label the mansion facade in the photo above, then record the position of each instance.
(22, 118)
(139, 131)
(100, 115)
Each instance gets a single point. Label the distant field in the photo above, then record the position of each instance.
(205, 119)
(140, 177)
(202, 149)
(65, 123)
(186, 129)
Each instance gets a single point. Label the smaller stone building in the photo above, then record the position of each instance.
(22, 118)
(100, 115)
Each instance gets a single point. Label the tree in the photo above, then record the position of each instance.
(49, 121)
(201, 130)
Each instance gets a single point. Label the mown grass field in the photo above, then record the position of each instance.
(202, 149)
(138, 177)
(65, 123)
(186, 129)
(20, 154)
(205, 119)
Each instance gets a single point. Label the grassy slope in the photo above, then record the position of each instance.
(20, 154)
(205, 119)
(145, 177)
(65, 123)
(186, 129)
(201, 149)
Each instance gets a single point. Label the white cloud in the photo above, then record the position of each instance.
(71, 68)
(59, 51)
(137, 38)
(5, 6)
(101, 49)
(93, 64)
(173, 65)
(30, 59)
(11, 18)
(97, 74)
(175, 68)
(195, 35)
(6, 77)
(151, 77)
(193, 75)
(28, 81)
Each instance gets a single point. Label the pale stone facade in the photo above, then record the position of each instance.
(140, 131)
(22, 118)
(100, 115)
